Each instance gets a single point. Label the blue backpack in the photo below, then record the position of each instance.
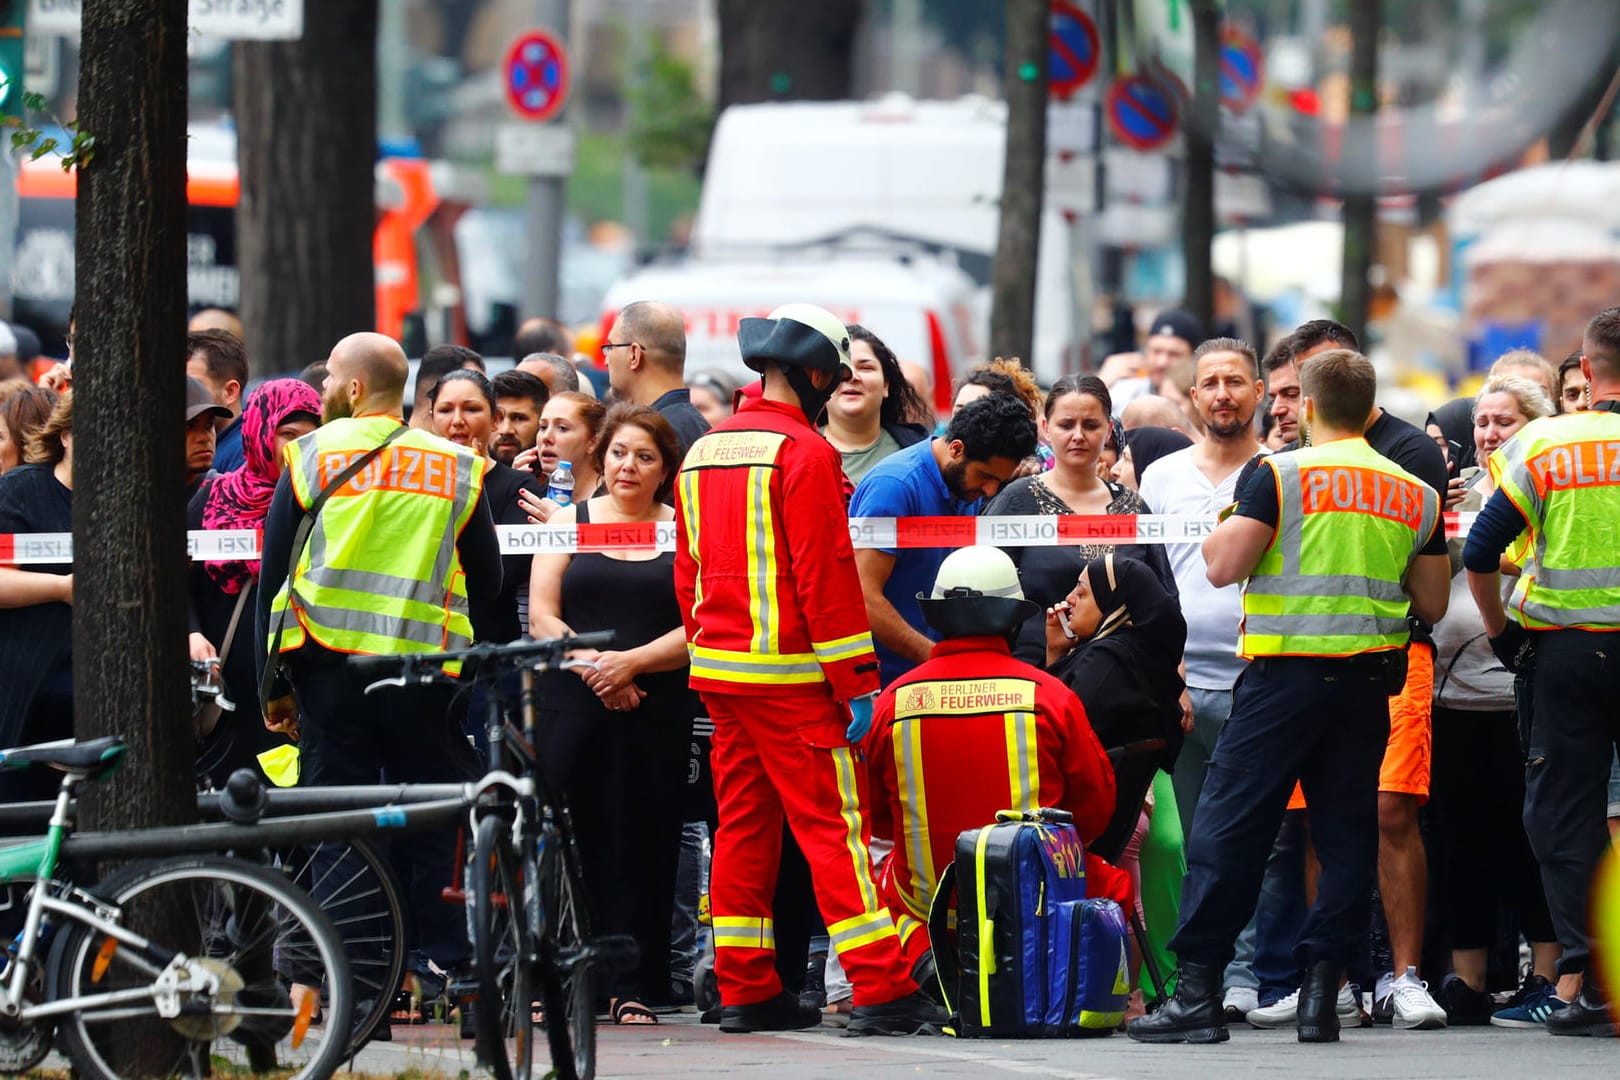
(1032, 955)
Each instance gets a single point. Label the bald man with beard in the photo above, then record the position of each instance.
(417, 523)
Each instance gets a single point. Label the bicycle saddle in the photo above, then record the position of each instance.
(92, 759)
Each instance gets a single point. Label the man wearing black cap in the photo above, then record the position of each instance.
(201, 413)
(782, 653)
(1172, 337)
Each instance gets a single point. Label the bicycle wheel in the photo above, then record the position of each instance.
(565, 972)
(269, 945)
(501, 951)
(353, 884)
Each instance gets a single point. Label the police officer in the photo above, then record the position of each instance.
(1560, 478)
(395, 556)
(1329, 537)
(782, 654)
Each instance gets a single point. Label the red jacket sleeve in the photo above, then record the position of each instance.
(1088, 776)
(823, 560)
(880, 766)
(685, 567)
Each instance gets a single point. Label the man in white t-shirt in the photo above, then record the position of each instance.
(1202, 480)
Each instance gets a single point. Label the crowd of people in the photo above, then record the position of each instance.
(780, 698)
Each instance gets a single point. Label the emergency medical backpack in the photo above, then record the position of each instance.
(1032, 955)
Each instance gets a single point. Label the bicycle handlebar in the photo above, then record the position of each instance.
(404, 669)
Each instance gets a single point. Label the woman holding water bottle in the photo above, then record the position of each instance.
(616, 740)
(569, 427)
(463, 407)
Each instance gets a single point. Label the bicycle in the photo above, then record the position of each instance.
(527, 907)
(177, 966)
(348, 879)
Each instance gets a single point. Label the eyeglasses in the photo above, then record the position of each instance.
(610, 345)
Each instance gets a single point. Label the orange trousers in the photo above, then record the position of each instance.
(776, 755)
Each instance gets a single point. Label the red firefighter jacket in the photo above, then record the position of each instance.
(764, 569)
(968, 733)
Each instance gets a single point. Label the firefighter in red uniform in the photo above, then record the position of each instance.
(782, 653)
(973, 731)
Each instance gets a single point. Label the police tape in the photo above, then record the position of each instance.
(886, 533)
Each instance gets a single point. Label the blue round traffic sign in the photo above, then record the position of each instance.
(1141, 112)
(1073, 49)
(536, 72)
(1240, 69)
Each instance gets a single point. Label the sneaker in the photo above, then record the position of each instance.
(1383, 1005)
(1240, 1001)
(1465, 1006)
(1284, 1012)
(1588, 1014)
(1531, 1006)
(1411, 1005)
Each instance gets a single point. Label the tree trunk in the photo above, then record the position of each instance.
(307, 147)
(1198, 216)
(782, 50)
(1361, 211)
(129, 508)
(129, 629)
(1023, 183)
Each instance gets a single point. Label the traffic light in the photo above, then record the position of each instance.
(11, 56)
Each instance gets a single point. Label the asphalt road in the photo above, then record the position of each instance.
(679, 1046)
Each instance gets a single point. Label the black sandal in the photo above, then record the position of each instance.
(625, 1008)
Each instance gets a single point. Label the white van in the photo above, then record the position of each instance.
(923, 306)
(929, 170)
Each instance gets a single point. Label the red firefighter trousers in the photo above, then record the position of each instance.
(779, 754)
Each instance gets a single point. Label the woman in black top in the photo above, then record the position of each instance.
(616, 740)
(1077, 426)
(464, 412)
(36, 605)
(1123, 662)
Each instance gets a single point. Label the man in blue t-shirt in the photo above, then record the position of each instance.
(947, 476)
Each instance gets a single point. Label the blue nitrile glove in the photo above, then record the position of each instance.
(861, 709)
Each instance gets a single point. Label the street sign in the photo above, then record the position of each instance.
(536, 76)
(1073, 50)
(1241, 69)
(1140, 112)
(1071, 128)
(524, 149)
(260, 20)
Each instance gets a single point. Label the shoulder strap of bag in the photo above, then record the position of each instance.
(272, 666)
(947, 964)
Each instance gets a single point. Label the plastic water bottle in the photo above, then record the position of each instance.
(561, 490)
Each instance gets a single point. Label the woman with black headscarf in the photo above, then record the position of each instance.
(1116, 641)
(1144, 446)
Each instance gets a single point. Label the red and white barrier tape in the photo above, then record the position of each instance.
(1029, 530)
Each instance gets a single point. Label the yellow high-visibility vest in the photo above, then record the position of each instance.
(1563, 474)
(1349, 524)
(380, 573)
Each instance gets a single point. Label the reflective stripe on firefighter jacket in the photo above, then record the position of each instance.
(764, 568)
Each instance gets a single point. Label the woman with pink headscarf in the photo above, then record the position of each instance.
(222, 592)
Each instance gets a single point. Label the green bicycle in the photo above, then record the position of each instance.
(183, 966)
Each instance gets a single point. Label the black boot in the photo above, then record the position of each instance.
(1319, 1003)
(914, 1014)
(1192, 1015)
(784, 1012)
(814, 993)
